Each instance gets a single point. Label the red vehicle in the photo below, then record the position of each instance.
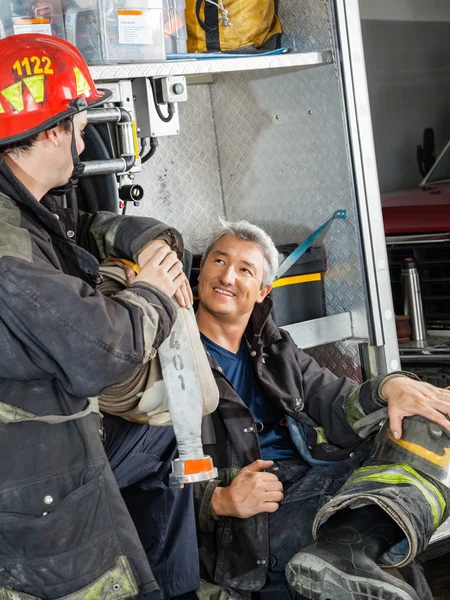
(417, 224)
(425, 209)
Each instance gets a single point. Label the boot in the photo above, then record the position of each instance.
(341, 564)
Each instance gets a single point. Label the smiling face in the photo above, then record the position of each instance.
(231, 278)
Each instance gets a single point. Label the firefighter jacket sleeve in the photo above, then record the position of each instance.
(107, 235)
(339, 404)
(56, 326)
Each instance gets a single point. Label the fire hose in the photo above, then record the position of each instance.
(178, 379)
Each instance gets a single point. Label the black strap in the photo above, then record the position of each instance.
(210, 25)
(78, 167)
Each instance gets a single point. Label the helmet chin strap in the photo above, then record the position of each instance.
(77, 171)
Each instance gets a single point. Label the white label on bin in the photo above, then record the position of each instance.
(32, 26)
(135, 27)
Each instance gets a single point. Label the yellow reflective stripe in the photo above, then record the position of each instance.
(412, 472)
(321, 437)
(297, 279)
(352, 407)
(36, 86)
(435, 500)
(13, 94)
(433, 488)
(80, 80)
(440, 460)
(2, 110)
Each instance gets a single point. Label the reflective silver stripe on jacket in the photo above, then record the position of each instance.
(14, 414)
(116, 584)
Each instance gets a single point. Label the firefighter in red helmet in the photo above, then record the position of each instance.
(45, 82)
(64, 527)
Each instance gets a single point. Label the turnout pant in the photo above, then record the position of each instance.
(307, 490)
(140, 457)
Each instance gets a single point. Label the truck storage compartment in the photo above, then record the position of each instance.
(299, 294)
(266, 139)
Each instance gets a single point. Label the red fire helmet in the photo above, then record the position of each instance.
(43, 79)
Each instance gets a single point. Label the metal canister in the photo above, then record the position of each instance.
(412, 299)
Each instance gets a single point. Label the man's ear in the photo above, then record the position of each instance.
(51, 135)
(201, 267)
(263, 292)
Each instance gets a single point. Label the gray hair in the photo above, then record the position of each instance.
(247, 232)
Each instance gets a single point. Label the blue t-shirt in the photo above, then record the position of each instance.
(274, 438)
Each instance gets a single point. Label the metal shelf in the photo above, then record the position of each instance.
(303, 60)
(317, 332)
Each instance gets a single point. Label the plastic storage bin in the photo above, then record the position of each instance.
(175, 33)
(113, 31)
(22, 16)
(299, 295)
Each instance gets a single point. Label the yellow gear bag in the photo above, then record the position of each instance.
(239, 26)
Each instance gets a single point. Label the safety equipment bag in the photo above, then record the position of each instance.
(238, 26)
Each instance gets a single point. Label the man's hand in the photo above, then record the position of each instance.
(407, 397)
(251, 492)
(149, 251)
(183, 293)
(163, 270)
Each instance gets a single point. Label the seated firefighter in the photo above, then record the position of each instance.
(64, 527)
(288, 440)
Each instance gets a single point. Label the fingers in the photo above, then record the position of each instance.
(164, 271)
(148, 251)
(191, 295)
(259, 465)
(184, 294)
(270, 507)
(409, 397)
(275, 496)
(395, 424)
(426, 411)
(436, 390)
(272, 485)
(434, 394)
(160, 255)
(437, 417)
(130, 274)
(187, 292)
(169, 261)
(179, 297)
(445, 400)
(186, 289)
(441, 406)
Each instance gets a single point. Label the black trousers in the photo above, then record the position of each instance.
(140, 457)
